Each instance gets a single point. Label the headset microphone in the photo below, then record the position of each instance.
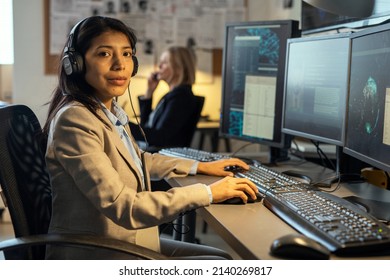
(143, 135)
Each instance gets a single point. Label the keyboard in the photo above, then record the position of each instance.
(266, 179)
(342, 227)
(191, 153)
(270, 181)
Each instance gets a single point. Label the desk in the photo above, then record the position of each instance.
(250, 229)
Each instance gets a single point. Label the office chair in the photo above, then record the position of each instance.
(26, 191)
(185, 136)
(190, 129)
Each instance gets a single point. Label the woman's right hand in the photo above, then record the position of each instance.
(230, 187)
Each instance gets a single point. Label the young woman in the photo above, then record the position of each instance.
(167, 124)
(100, 178)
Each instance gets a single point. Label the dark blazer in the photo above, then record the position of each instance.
(172, 115)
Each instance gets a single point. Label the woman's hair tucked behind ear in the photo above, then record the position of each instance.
(75, 87)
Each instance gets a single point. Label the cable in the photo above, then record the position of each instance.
(136, 118)
(143, 165)
(338, 185)
(179, 228)
(242, 147)
(322, 155)
(324, 189)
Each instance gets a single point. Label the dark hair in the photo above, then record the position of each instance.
(74, 87)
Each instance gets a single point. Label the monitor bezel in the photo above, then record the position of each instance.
(293, 28)
(337, 142)
(362, 157)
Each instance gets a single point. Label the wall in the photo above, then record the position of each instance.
(257, 10)
(30, 85)
(33, 88)
(6, 72)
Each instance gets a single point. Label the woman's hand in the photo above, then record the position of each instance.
(152, 85)
(217, 168)
(229, 187)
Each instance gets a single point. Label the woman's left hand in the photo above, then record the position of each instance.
(219, 167)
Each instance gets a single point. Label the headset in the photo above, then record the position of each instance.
(73, 62)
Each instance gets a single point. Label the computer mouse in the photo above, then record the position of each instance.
(234, 168)
(297, 175)
(298, 247)
(237, 200)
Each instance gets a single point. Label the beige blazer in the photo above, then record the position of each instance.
(97, 187)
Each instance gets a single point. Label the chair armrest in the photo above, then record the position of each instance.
(83, 240)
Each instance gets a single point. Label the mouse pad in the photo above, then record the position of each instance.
(378, 209)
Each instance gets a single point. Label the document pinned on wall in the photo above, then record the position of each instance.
(146, 56)
(185, 31)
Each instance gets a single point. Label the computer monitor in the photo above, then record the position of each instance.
(368, 116)
(315, 95)
(316, 87)
(252, 81)
(315, 20)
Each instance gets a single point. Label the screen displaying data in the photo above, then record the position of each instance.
(252, 81)
(316, 87)
(368, 118)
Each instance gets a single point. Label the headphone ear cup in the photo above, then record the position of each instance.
(135, 67)
(73, 63)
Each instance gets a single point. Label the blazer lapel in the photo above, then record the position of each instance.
(139, 153)
(122, 148)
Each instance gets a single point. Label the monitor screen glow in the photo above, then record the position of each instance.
(368, 118)
(252, 80)
(316, 87)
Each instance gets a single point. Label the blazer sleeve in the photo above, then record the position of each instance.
(83, 152)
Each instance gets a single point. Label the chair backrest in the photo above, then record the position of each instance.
(24, 178)
(187, 132)
(191, 126)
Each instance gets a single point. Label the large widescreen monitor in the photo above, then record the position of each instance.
(252, 80)
(314, 20)
(368, 117)
(316, 87)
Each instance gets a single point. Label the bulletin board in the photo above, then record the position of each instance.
(158, 25)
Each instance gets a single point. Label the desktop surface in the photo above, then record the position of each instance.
(252, 228)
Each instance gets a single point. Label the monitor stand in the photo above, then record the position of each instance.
(348, 168)
(278, 155)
